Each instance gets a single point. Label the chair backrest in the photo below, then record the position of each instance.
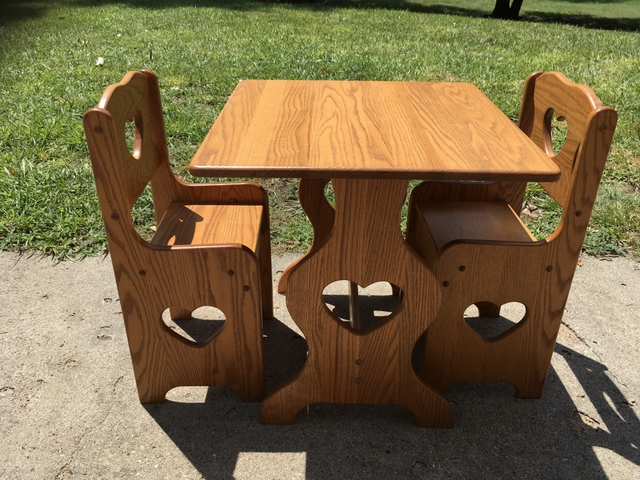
(555, 93)
(121, 174)
(590, 128)
(136, 99)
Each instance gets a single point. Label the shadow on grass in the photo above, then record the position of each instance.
(585, 21)
(19, 10)
(494, 432)
(16, 11)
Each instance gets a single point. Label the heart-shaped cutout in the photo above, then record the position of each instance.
(362, 308)
(555, 134)
(492, 327)
(133, 131)
(203, 324)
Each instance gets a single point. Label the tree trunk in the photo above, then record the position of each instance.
(514, 11)
(501, 10)
(504, 11)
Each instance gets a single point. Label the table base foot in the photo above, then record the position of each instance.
(429, 408)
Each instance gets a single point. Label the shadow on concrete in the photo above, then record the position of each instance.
(621, 430)
(494, 431)
(12, 10)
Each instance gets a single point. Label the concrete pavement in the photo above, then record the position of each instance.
(69, 408)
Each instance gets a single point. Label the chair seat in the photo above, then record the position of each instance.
(472, 221)
(185, 224)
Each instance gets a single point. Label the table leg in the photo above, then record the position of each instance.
(350, 365)
(354, 305)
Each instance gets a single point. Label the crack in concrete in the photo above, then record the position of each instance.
(34, 393)
(117, 384)
(61, 473)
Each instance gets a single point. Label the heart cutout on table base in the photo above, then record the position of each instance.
(373, 305)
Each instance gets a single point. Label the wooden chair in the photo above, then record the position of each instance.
(472, 236)
(211, 248)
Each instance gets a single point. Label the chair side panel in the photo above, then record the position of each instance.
(190, 278)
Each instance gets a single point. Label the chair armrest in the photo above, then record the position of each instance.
(167, 189)
(247, 193)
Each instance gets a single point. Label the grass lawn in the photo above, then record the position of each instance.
(200, 49)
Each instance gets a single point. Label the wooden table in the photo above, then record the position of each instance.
(369, 138)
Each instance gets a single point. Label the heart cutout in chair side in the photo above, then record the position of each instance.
(377, 302)
(204, 323)
(490, 328)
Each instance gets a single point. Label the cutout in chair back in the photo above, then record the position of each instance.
(490, 328)
(203, 324)
(133, 134)
(556, 133)
(373, 305)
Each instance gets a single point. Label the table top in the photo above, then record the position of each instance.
(363, 129)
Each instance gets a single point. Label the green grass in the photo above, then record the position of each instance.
(200, 49)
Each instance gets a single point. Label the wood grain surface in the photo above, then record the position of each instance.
(185, 224)
(342, 129)
(473, 221)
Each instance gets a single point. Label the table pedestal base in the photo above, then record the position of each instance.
(366, 366)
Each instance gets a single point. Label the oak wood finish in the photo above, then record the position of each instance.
(184, 266)
(210, 225)
(321, 214)
(340, 129)
(323, 129)
(345, 364)
(368, 138)
(491, 268)
(473, 221)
